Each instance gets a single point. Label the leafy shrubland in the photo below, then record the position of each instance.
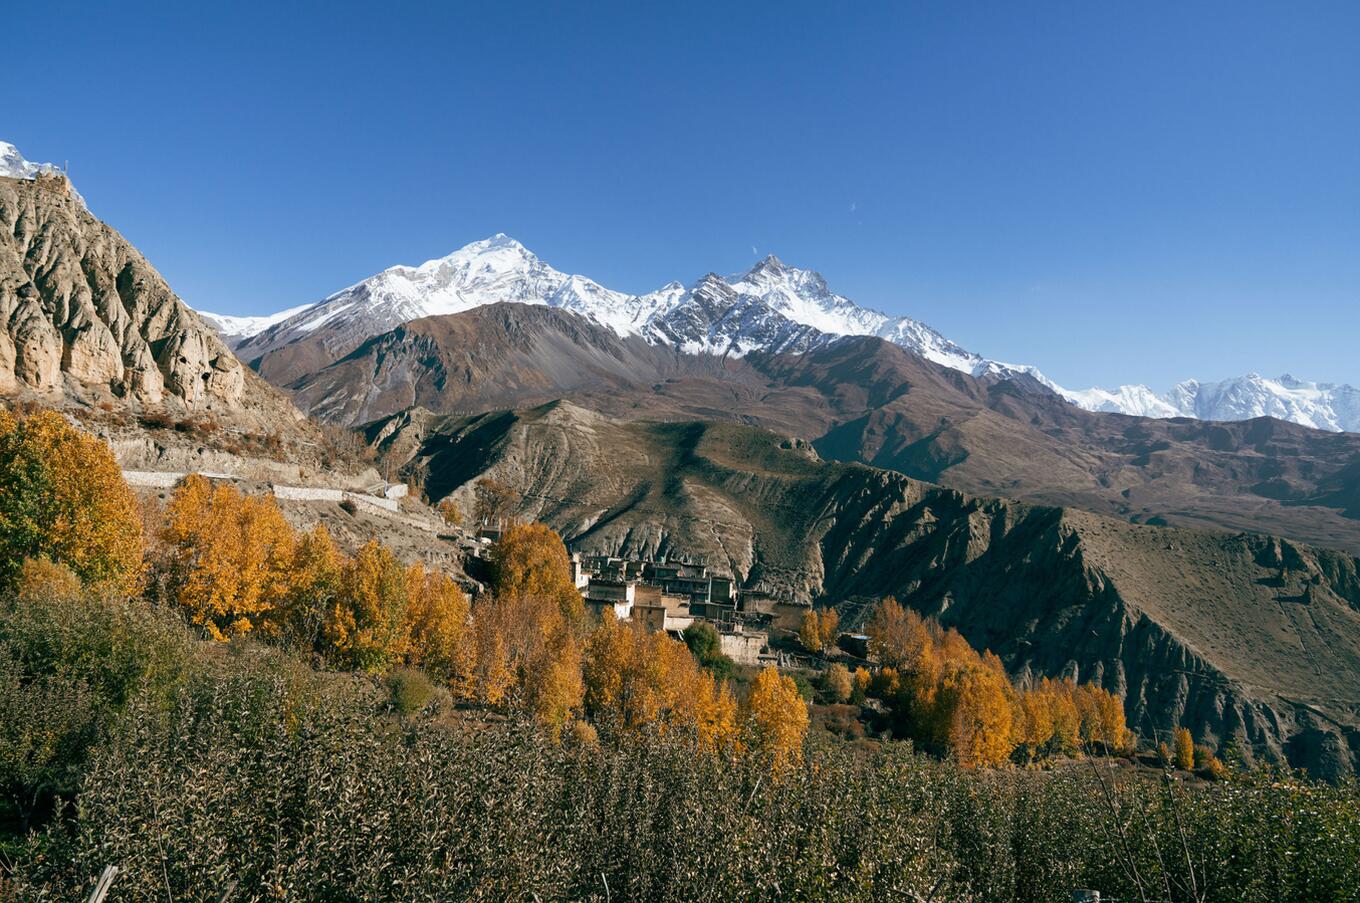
(248, 704)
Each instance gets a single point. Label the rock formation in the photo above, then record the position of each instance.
(81, 310)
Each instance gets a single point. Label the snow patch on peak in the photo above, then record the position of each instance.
(14, 166)
(1323, 406)
(233, 330)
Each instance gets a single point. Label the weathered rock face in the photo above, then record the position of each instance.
(80, 307)
(1233, 635)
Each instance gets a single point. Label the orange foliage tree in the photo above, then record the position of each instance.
(313, 588)
(368, 628)
(531, 561)
(440, 636)
(960, 702)
(776, 719)
(230, 556)
(62, 497)
(635, 679)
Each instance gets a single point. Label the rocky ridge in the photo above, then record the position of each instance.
(84, 316)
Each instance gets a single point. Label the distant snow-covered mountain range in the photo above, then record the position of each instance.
(772, 307)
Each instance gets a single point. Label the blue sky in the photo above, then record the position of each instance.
(1114, 192)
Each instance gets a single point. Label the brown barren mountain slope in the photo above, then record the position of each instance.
(867, 400)
(1231, 634)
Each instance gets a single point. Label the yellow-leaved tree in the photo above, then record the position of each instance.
(62, 497)
(441, 641)
(230, 556)
(1183, 749)
(634, 679)
(313, 586)
(776, 719)
(976, 716)
(367, 629)
(809, 632)
(531, 561)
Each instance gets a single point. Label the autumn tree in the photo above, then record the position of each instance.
(838, 683)
(1102, 718)
(230, 556)
(828, 625)
(974, 715)
(367, 628)
(313, 586)
(634, 679)
(1183, 749)
(860, 688)
(513, 634)
(495, 501)
(41, 578)
(776, 719)
(440, 641)
(552, 683)
(63, 497)
(1047, 719)
(887, 632)
(809, 632)
(531, 561)
(449, 510)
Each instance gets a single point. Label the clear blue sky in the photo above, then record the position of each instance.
(1114, 192)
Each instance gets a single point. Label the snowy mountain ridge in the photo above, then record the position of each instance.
(773, 307)
(234, 330)
(14, 166)
(1323, 406)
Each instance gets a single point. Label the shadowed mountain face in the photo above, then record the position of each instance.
(868, 400)
(1230, 634)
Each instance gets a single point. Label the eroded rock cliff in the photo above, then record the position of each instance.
(81, 309)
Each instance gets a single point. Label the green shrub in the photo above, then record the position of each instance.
(69, 663)
(409, 690)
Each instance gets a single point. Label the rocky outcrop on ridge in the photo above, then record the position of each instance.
(82, 311)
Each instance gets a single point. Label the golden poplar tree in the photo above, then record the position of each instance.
(862, 681)
(1183, 749)
(974, 706)
(367, 628)
(437, 615)
(828, 624)
(776, 719)
(810, 632)
(231, 556)
(313, 585)
(553, 687)
(63, 497)
(531, 561)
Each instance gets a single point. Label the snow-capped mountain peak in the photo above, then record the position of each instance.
(488, 271)
(234, 330)
(1323, 406)
(14, 166)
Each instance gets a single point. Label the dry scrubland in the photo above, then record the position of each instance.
(211, 696)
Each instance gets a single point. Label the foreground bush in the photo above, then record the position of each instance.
(322, 798)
